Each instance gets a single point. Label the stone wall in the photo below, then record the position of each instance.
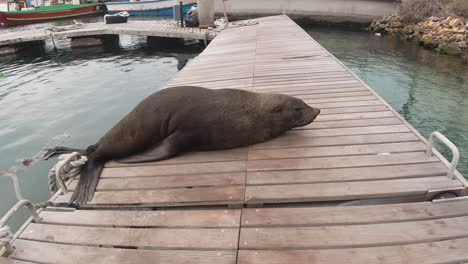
(447, 35)
(361, 11)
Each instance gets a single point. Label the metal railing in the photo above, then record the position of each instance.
(456, 154)
(5, 234)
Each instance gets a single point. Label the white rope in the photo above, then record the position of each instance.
(76, 25)
(68, 166)
(53, 30)
(223, 23)
(5, 236)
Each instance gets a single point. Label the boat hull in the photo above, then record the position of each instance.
(9, 19)
(147, 8)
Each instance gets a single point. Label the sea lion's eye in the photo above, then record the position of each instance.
(298, 109)
(277, 109)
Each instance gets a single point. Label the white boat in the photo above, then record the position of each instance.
(147, 8)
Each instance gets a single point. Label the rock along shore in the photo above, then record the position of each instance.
(447, 35)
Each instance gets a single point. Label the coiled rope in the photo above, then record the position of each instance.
(53, 30)
(67, 167)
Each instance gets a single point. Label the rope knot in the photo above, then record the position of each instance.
(68, 166)
(5, 236)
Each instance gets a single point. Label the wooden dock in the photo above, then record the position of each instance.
(273, 202)
(159, 28)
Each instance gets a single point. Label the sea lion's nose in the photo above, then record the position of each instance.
(315, 111)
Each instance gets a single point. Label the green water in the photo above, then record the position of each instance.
(429, 90)
(81, 93)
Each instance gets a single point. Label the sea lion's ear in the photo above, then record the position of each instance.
(277, 109)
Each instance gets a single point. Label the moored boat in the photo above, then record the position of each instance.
(147, 8)
(49, 13)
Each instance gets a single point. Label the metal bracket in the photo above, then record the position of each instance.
(444, 193)
(449, 144)
(11, 212)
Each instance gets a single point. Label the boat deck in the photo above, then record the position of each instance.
(159, 28)
(271, 202)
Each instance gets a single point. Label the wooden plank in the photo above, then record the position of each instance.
(356, 107)
(192, 157)
(4, 260)
(336, 150)
(60, 253)
(339, 162)
(334, 95)
(352, 215)
(161, 218)
(173, 238)
(340, 99)
(352, 123)
(166, 197)
(448, 251)
(372, 235)
(290, 140)
(346, 174)
(350, 116)
(306, 91)
(175, 169)
(330, 132)
(190, 181)
(345, 191)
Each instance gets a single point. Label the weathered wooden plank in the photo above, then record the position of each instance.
(193, 157)
(175, 169)
(60, 253)
(340, 99)
(346, 174)
(4, 260)
(161, 218)
(352, 215)
(339, 162)
(336, 150)
(167, 197)
(372, 235)
(330, 132)
(333, 95)
(352, 123)
(355, 107)
(306, 91)
(292, 140)
(187, 181)
(346, 191)
(170, 238)
(448, 251)
(349, 116)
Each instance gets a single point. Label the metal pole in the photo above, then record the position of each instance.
(224, 9)
(181, 11)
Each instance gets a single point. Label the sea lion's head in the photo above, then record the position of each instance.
(285, 112)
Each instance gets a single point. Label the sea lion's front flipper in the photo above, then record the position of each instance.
(168, 148)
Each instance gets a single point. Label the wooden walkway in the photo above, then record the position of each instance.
(137, 28)
(192, 209)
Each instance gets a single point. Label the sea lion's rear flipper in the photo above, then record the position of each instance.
(53, 152)
(168, 148)
(87, 182)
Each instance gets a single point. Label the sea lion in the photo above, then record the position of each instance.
(186, 118)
